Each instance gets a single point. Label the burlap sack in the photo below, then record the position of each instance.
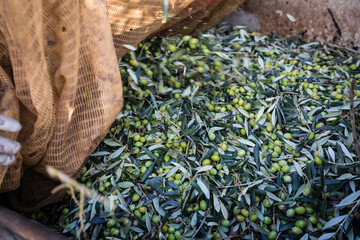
(59, 77)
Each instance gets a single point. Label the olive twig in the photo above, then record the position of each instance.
(245, 184)
(352, 117)
(202, 222)
(229, 237)
(341, 225)
(142, 191)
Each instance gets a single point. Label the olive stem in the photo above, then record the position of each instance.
(341, 225)
(352, 117)
(202, 222)
(229, 237)
(140, 187)
(244, 184)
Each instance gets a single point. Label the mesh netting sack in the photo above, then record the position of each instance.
(59, 77)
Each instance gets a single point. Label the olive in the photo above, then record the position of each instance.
(206, 162)
(247, 106)
(215, 157)
(300, 210)
(155, 219)
(267, 203)
(272, 235)
(203, 205)
(241, 153)
(134, 63)
(186, 38)
(300, 223)
(193, 41)
(225, 222)
(317, 161)
(137, 138)
(287, 178)
(253, 217)
(177, 234)
(172, 48)
(135, 197)
(240, 218)
(164, 228)
(309, 210)
(171, 230)
(296, 231)
(224, 146)
(288, 136)
(245, 212)
(306, 191)
(313, 220)
(282, 163)
(236, 210)
(111, 222)
(213, 171)
(65, 211)
(275, 154)
(267, 220)
(319, 226)
(353, 67)
(290, 213)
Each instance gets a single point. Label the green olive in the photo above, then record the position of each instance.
(311, 136)
(186, 38)
(253, 217)
(300, 223)
(172, 48)
(65, 211)
(213, 171)
(290, 213)
(296, 231)
(272, 235)
(206, 162)
(353, 67)
(285, 169)
(267, 220)
(240, 218)
(288, 136)
(171, 230)
(313, 220)
(317, 161)
(203, 205)
(287, 179)
(247, 106)
(111, 222)
(155, 219)
(267, 203)
(300, 210)
(306, 191)
(135, 197)
(137, 138)
(134, 63)
(215, 157)
(224, 146)
(309, 210)
(236, 210)
(241, 153)
(225, 222)
(193, 41)
(245, 212)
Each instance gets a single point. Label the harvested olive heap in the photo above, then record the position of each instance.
(229, 135)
